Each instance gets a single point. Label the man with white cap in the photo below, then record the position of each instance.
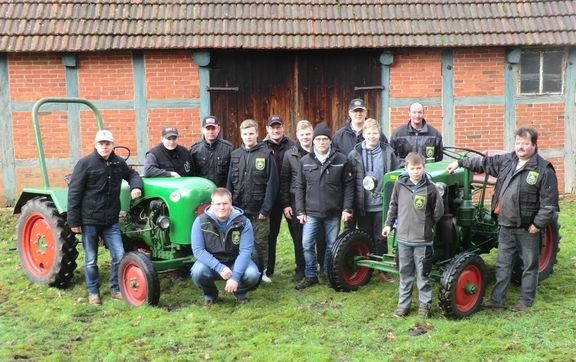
(94, 206)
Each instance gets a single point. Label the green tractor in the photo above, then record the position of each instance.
(466, 230)
(155, 228)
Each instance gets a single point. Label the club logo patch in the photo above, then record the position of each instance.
(236, 237)
(260, 163)
(532, 177)
(430, 151)
(187, 166)
(419, 201)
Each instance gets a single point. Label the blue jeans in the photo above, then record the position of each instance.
(204, 278)
(113, 240)
(309, 235)
(511, 243)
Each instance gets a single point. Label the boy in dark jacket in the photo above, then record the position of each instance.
(324, 194)
(168, 159)
(371, 158)
(416, 205)
(94, 206)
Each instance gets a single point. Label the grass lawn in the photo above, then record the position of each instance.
(279, 323)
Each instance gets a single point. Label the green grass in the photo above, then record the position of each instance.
(279, 323)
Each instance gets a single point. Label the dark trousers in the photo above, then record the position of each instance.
(275, 221)
(371, 222)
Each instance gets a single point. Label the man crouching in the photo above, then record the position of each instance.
(222, 242)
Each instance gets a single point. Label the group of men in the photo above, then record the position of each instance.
(314, 183)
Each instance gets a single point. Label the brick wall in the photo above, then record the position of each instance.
(416, 74)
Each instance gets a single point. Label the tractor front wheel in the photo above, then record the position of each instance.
(343, 273)
(462, 285)
(138, 279)
(549, 248)
(46, 246)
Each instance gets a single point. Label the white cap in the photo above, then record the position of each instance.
(104, 135)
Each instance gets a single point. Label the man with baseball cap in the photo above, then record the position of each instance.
(94, 205)
(278, 143)
(211, 154)
(168, 159)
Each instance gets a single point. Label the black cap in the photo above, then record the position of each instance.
(357, 103)
(169, 131)
(322, 129)
(210, 121)
(275, 119)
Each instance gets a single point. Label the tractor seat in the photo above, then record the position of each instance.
(478, 178)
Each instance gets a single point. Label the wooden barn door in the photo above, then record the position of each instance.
(317, 86)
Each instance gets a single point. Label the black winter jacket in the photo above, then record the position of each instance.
(536, 198)
(324, 190)
(94, 191)
(212, 161)
(357, 165)
(289, 175)
(253, 179)
(160, 162)
(345, 138)
(427, 142)
(279, 149)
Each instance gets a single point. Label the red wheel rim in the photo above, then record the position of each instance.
(38, 245)
(134, 284)
(352, 273)
(546, 249)
(468, 287)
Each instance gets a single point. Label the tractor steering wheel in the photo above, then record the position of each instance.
(125, 154)
(458, 153)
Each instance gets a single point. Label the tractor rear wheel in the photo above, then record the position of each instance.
(343, 273)
(138, 279)
(549, 248)
(463, 285)
(46, 246)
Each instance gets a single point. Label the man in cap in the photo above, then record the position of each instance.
(324, 195)
(211, 154)
(278, 143)
(94, 205)
(350, 134)
(417, 136)
(168, 159)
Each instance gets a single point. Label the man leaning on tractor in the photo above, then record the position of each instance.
(525, 200)
(94, 205)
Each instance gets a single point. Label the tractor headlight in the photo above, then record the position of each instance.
(163, 222)
(369, 183)
(441, 187)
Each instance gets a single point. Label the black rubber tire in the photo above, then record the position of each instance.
(343, 274)
(46, 245)
(549, 249)
(138, 279)
(465, 270)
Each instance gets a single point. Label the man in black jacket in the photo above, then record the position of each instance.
(525, 201)
(278, 143)
(253, 182)
(211, 155)
(94, 205)
(417, 136)
(168, 159)
(324, 194)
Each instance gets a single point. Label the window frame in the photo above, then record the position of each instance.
(541, 53)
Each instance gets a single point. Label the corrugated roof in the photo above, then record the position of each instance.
(44, 25)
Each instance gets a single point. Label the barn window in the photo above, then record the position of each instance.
(541, 72)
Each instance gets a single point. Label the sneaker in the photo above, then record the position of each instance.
(424, 310)
(116, 295)
(265, 277)
(491, 305)
(298, 276)
(401, 312)
(385, 277)
(94, 299)
(307, 282)
(519, 307)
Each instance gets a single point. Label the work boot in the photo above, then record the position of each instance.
(94, 299)
(491, 305)
(307, 282)
(385, 277)
(424, 310)
(519, 307)
(401, 312)
(116, 295)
